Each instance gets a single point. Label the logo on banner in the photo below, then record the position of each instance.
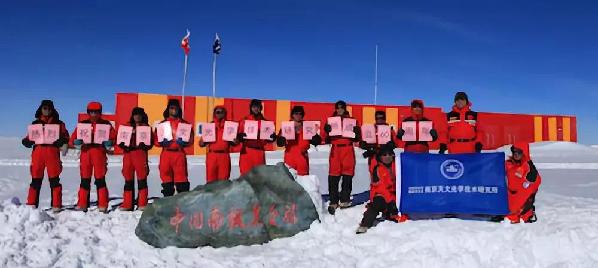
(452, 169)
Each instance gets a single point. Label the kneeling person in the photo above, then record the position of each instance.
(382, 191)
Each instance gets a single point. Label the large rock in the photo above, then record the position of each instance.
(262, 205)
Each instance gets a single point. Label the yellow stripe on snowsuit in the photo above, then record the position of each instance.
(369, 114)
(154, 105)
(552, 136)
(283, 112)
(566, 129)
(538, 131)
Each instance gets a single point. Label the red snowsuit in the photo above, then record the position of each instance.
(295, 152)
(341, 165)
(218, 154)
(252, 151)
(135, 162)
(173, 162)
(93, 161)
(523, 182)
(463, 130)
(47, 157)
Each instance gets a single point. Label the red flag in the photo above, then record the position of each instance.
(185, 43)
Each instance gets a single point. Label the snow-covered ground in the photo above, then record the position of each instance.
(566, 234)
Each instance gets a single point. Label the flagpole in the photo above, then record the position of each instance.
(376, 78)
(214, 75)
(184, 83)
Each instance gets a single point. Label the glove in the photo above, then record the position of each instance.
(316, 140)
(78, 142)
(273, 137)
(142, 146)
(27, 142)
(122, 146)
(165, 143)
(281, 141)
(327, 128)
(526, 184)
(181, 142)
(400, 133)
(434, 134)
(363, 145)
(368, 153)
(443, 148)
(241, 136)
(478, 147)
(107, 144)
(59, 142)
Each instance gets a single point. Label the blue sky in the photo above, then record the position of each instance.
(520, 56)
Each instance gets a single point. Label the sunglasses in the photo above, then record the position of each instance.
(517, 152)
(219, 112)
(93, 111)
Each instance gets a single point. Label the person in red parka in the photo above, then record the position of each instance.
(295, 153)
(135, 162)
(417, 115)
(218, 152)
(341, 162)
(173, 159)
(93, 160)
(252, 151)
(523, 181)
(463, 128)
(371, 150)
(382, 190)
(46, 156)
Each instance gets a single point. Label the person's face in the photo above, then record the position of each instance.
(255, 109)
(417, 110)
(460, 103)
(387, 158)
(93, 114)
(380, 119)
(340, 110)
(219, 113)
(517, 155)
(46, 111)
(172, 110)
(297, 116)
(137, 118)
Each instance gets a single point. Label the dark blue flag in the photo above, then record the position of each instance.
(453, 183)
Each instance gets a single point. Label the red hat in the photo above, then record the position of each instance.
(94, 106)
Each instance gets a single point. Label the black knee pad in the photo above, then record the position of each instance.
(129, 185)
(36, 184)
(182, 187)
(142, 184)
(100, 183)
(168, 189)
(55, 182)
(86, 183)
